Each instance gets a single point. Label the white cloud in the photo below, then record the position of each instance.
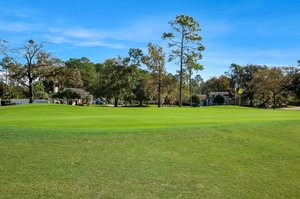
(57, 39)
(18, 26)
(21, 13)
(142, 31)
(102, 44)
(82, 33)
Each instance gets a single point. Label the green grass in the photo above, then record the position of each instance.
(57, 151)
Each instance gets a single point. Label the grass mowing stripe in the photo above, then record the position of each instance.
(258, 158)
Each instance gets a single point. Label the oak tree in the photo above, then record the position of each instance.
(26, 64)
(241, 78)
(269, 83)
(155, 61)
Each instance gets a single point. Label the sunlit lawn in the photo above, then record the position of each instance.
(58, 151)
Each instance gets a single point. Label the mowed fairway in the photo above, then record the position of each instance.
(58, 151)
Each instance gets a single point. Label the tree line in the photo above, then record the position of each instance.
(142, 77)
(116, 78)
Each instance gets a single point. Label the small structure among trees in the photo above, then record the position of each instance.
(72, 96)
(218, 98)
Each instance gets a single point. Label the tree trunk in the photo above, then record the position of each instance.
(274, 101)
(130, 102)
(30, 91)
(251, 102)
(190, 81)
(181, 69)
(116, 102)
(141, 103)
(159, 92)
(6, 82)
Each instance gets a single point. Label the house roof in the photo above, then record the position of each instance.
(80, 91)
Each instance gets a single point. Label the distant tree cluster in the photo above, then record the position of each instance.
(261, 85)
(32, 72)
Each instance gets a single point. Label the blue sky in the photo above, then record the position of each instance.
(233, 31)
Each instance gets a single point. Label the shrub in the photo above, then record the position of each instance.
(219, 99)
(196, 100)
(6, 102)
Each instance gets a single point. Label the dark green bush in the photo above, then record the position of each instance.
(219, 99)
(196, 100)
